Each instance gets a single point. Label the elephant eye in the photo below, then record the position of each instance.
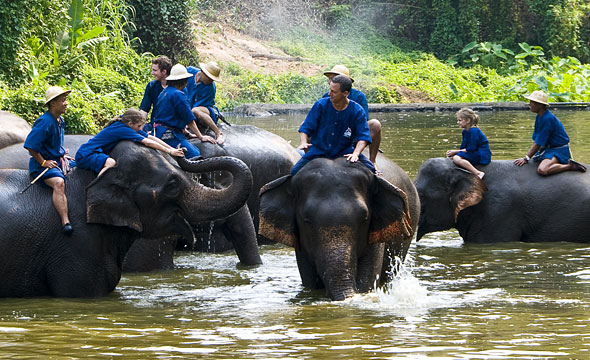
(172, 187)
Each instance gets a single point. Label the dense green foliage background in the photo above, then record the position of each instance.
(442, 50)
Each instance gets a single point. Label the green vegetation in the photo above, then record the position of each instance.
(407, 51)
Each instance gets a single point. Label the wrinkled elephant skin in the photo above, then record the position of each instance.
(512, 203)
(147, 194)
(345, 223)
(269, 157)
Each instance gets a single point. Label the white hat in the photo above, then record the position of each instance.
(538, 96)
(53, 92)
(178, 72)
(211, 69)
(339, 70)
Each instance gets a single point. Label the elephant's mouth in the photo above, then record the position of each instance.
(183, 227)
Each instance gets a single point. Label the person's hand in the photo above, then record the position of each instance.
(520, 162)
(452, 153)
(176, 152)
(304, 146)
(49, 164)
(352, 157)
(207, 138)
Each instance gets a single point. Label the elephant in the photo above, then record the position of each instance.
(17, 157)
(346, 223)
(511, 203)
(146, 195)
(268, 156)
(13, 129)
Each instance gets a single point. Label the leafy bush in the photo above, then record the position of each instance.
(164, 29)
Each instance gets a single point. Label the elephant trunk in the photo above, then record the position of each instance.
(338, 268)
(201, 203)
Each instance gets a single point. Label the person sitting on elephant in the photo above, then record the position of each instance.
(360, 98)
(174, 113)
(551, 142)
(48, 156)
(94, 155)
(160, 70)
(474, 148)
(331, 127)
(201, 92)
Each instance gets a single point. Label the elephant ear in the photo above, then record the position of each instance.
(277, 212)
(468, 190)
(109, 202)
(390, 215)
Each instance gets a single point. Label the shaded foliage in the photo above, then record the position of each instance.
(164, 29)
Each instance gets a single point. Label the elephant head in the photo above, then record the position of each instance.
(148, 193)
(445, 191)
(340, 218)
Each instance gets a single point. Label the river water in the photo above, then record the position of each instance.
(451, 300)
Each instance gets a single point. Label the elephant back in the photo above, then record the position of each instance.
(13, 129)
(17, 157)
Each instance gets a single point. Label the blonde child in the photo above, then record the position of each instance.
(474, 148)
(94, 155)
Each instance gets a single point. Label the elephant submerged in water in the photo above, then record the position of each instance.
(511, 203)
(145, 195)
(346, 223)
(269, 157)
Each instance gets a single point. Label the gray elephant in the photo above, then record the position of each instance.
(13, 129)
(17, 157)
(345, 223)
(511, 203)
(145, 195)
(269, 157)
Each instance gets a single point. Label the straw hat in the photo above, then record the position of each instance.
(211, 69)
(178, 72)
(53, 92)
(538, 96)
(339, 70)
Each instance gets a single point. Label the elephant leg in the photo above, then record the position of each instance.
(240, 229)
(150, 254)
(369, 266)
(307, 271)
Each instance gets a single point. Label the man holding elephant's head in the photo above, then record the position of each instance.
(45, 144)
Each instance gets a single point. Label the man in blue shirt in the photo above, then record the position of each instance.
(360, 98)
(332, 126)
(174, 114)
(160, 70)
(551, 143)
(45, 144)
(201, 91)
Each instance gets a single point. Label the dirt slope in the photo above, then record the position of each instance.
(225, 45)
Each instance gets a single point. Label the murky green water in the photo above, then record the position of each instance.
(451, 301)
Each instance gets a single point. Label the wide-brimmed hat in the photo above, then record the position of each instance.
(339, 70)
(53, 92)
(538, 96)
(178, 72)
(211, 69)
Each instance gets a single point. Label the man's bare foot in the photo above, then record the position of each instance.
(574, 165)
(220, 139)
(480, 174)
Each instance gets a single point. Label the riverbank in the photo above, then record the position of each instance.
(277, 109)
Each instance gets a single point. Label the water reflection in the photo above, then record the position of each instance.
(451, 300)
